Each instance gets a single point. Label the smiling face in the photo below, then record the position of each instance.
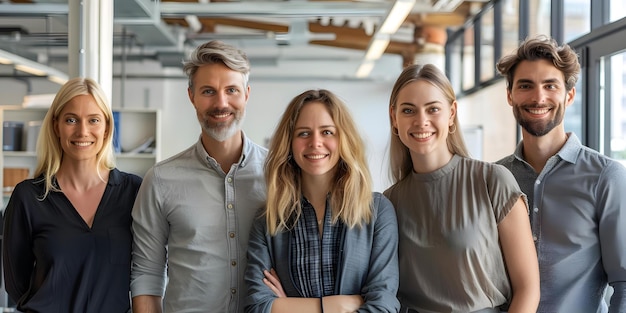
(422, 115)
(81, 128)
(315, 141)
(538, 97)
(219, 96)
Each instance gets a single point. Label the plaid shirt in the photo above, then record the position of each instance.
(314, 260)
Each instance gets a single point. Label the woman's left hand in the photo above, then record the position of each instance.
(271, 280)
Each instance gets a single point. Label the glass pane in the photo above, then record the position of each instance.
(617, 108)
(510, 26)
(617, 9)
(454, 72)
(574, 113)
(539, 17)
(487, 62)
(577, 18)
(468, 59)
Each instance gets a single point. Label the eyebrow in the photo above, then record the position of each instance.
(321, 126)
(427, 103)
(545, 81)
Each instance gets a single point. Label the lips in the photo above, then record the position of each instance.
(82, 143)
(315, 156)
(538, 111)
(221, 115)
(422, 135)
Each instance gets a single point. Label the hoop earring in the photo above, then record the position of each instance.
(451, 130)
(394, 131)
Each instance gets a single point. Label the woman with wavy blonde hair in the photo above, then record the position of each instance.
(325, 241)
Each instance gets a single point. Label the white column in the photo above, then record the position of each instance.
(90, 48)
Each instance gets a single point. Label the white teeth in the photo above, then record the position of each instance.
(538, 111)
(316, 156)
(421, 135)
(82, 144)
(221, 115)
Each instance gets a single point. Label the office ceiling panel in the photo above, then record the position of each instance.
(284, 39)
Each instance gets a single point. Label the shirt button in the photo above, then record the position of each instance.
(534, 238)
(230, 206)
(537, 182)
(233, 263)
(231, 235)
(536, 210)
(233, 290)
(229, 179)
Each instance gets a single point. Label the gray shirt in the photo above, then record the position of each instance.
(195, 219)
(578, 220)
(449, 247)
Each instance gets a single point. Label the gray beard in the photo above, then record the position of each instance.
(221, 132)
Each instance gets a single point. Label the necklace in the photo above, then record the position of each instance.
(319, 222)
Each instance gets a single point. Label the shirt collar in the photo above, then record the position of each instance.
(569, 151)
(245, 150)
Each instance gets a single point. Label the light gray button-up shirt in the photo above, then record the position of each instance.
(578, 219)
(191, 226)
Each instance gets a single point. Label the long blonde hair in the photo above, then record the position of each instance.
(399, 154)
(49, 150)
(350, 196)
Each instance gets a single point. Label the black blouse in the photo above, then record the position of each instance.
(53, 261)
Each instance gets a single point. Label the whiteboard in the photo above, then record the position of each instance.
(473, 136)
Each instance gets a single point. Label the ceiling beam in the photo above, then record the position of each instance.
(275, 9)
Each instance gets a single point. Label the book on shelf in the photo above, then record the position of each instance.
(117, 145)
(147, 146)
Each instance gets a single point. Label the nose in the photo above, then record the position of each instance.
(221, 100)
(539, 96)
(83, 128)
(421, 119)
(316, 140)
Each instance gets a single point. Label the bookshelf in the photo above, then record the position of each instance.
(136, 126)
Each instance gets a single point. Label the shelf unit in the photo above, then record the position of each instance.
(135, 127)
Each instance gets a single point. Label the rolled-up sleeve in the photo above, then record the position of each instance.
(611, 195)
(150, 233)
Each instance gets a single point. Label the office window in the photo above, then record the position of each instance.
(468, 59)
(540, 17)
(617, 109)
(454, 50)
(617, 9)
(487, 61)
(577, 21)
(510, 26)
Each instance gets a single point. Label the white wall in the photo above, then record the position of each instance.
(367, 101)
(490, 110)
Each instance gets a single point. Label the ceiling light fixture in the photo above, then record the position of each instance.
(377, 47)
(396, 16)
(5, 61)
(381, 38)
(32, 67)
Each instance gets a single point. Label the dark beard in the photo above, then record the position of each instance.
(538, 128)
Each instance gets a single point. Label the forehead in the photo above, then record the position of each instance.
(314, 113)
(537, 71)
(217, 74)
(82, 104)
(419, 91)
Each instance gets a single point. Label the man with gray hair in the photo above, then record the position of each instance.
(194, 210)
